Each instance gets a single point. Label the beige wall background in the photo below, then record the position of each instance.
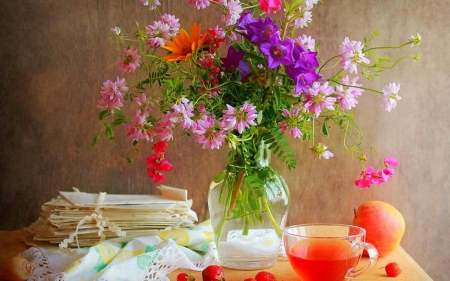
(56, 54)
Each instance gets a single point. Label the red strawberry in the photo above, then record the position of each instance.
(393, 269)
(250, 279)
(265, 276)
(185, 277)
(213, 273)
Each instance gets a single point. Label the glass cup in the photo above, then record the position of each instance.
(329, 252)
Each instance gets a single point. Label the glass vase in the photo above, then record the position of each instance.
(248, 205)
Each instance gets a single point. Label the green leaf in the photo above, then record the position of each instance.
(263, 174)
(109, 132)
(95, 140)
(117, 122)
(220, 177)
(325, 129)
(260, 117)
(103, 114)
(119, 114)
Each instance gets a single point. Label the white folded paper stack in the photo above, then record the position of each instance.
(83, 219)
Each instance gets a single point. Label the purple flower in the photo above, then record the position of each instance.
(244, 20)
(303, 71)
(245, 69)
(303, 78)
(261, 31)
(233, 58)
(278, 52)
(304, 58)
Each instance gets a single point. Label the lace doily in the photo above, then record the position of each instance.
(50, 264)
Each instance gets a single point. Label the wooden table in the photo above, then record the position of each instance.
(283, 271)
(11, 243)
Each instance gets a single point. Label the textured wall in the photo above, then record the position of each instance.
(56, 54)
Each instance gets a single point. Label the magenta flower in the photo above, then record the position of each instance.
(240, 118)
(318, 98)
(270, 5)
(390, 96)
(131, 62)
(371, 176)
(390, 161)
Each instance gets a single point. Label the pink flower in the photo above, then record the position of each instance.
(232, 11)
(144, 106)
(346, 95)
(304, 20)
(371, 176)
(292, 119)
(183, 112)
(140, 129)
(199, 4)
(270, 5)
(390, 161)
(307, 42)
(164, 127)
(207, 134)
(320, 151)
(116, 30)
(351, 55)
(131, 62)
(240, 118)
(318, 98)
(151, 3)
(390, 96)
(112, 94)
(161, 31)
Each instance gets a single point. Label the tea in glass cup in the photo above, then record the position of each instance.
(330, 252)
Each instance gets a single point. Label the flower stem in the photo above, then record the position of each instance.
(236, 191)
(275, 225)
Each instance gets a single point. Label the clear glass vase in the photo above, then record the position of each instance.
(248, 205)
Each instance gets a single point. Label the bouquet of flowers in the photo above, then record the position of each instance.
(267, 82)
(249, 83)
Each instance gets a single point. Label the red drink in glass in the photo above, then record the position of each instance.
(322, 259)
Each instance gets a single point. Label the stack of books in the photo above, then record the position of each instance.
(83, 219)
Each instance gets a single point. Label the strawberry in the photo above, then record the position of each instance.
(265, 276)
(213, 273)
(250, 279)
(393, 269)
(185, 277)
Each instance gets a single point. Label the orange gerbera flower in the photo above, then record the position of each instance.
(184, 45)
